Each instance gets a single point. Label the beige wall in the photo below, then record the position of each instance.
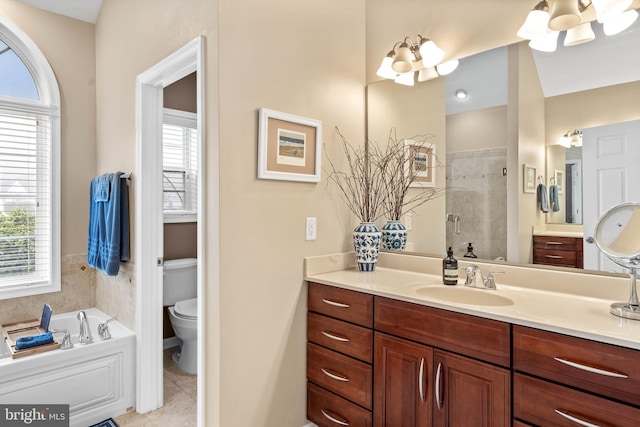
(477, 130)
(303, 58)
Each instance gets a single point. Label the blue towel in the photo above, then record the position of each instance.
(108, 223)
(34, 341)
(553, 198)
(543, 198)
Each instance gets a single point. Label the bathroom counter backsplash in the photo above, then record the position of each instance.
(560, 301)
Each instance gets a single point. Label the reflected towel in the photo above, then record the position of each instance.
(553, 198)
(34, 341)
(108, 241)
(543, 198)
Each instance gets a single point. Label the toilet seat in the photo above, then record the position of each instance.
(187, 309)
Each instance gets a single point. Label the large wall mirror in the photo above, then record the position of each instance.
(520, 102)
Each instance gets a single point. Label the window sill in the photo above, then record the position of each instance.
(174, 218)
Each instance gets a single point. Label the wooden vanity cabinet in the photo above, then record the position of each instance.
(445, 373)
(558, 251)
(596, 372)
(339, 357)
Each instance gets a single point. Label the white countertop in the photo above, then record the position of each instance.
(571, 313)
(577, 234)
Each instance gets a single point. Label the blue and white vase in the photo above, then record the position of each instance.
(366, 242)
(394, 236)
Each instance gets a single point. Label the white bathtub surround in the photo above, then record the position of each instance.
(78, 291)
(116, 295)
(97, 380)
(556, 300)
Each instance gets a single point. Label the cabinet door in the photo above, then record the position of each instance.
(402, 383)
(469, 393)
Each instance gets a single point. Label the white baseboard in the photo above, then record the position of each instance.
(170, 342)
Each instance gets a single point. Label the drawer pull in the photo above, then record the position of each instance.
(553, 256)
(553, 243)
(335, 337)
(334, 376)
(591, 368)
(576, 420)
(438, 373)
(335, 420)
(421, 380)
(335, 304)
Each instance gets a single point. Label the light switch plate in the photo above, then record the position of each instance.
(310, 228)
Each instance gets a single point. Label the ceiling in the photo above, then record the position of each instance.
(84, 10)
(605, 61)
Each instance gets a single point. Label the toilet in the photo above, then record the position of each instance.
(180, 294)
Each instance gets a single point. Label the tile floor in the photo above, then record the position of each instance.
(180, 397)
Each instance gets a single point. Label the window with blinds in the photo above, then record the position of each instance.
(180, 166)
(29, 168)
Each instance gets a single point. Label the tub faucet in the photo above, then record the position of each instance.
(66, 341)
(85, 330)
(103, 329)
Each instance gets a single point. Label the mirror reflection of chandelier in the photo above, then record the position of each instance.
(572, 138)
(544, 23)
(407, 58)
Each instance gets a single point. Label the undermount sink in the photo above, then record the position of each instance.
(464, 295)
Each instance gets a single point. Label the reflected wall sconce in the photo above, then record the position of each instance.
(572, 138)
(408, 58)
(544, 23)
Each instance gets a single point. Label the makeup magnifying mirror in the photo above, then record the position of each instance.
(617, 235)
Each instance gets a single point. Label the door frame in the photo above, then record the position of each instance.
(149, 222)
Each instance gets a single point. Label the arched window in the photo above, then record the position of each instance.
(29, 168)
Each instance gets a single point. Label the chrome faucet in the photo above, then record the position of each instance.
(85, 330)
(473, 271)
(103, 329)
(66, 340)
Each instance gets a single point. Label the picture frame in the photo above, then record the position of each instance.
(529, 174)
(421, 163)
(289, 147)
(558, 176)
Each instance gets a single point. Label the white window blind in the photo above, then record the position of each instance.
(180, 165)
(25, 198)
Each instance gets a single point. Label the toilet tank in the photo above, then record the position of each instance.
(180, 280)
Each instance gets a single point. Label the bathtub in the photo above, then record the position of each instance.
(97, 380)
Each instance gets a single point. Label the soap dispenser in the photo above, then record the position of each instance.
(470, 253)
(450, 269)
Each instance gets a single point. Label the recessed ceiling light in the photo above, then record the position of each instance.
(461, 94)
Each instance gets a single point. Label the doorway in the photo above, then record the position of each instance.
(149, 223)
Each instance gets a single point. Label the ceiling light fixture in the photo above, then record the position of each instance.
(461, 94)
(408, 57)
(543, 23)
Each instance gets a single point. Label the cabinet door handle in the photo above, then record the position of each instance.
(438, 378)
(553, 243)
(333, 419)
(334, 376)
(335, 337)
(576, 420)
(591, 368)
(421, 380)
(553, 256)
(335, 304)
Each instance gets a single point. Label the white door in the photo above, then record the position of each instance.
(611, 175)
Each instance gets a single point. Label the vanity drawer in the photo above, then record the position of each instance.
(328, 410)
(554, 257)
(344, 337)
(351, 306)
(555, 243)
(341, 374)
(484, 339)
(600, 368)
(543, 403)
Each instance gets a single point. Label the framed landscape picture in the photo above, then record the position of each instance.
(289, 147)
(529, 178)
(421, 160)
